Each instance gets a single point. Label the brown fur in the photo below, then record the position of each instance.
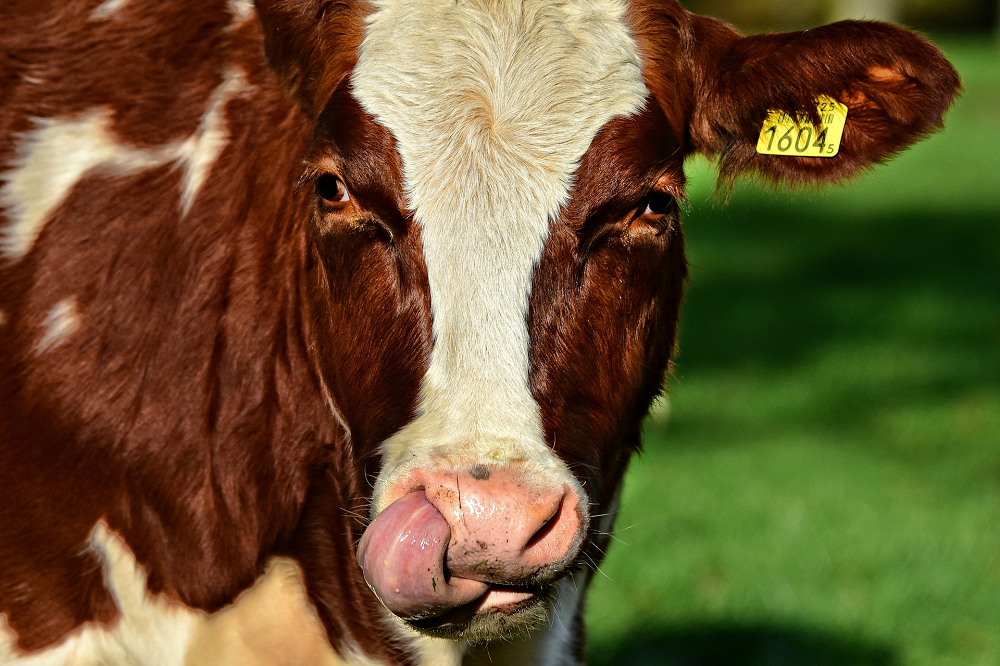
(188, 411)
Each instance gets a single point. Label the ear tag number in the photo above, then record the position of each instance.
(783, 136)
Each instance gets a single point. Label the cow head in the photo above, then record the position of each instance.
(498, 236)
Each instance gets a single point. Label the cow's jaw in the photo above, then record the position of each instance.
(492, 109)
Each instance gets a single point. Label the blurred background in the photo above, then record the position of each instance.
(821, 487)
(976, 16)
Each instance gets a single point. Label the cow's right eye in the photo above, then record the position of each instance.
(331, 189)
(658, 203)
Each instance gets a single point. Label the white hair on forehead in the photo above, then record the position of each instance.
(492, 104)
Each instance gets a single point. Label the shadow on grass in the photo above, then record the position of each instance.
(905, 302)
(771, 283)
(732, 645)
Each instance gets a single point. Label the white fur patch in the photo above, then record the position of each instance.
(432, 651)
(272, 624)
(54, 156)
(107, 8)
(200, 151)
(150, 631)
(242, 9)
(51, 160)
(62, 320)
(492, 104)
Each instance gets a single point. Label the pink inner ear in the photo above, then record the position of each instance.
(881, 74)
(887, 87)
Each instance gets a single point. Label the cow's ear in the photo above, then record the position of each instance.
(895, 84)
(312, 45)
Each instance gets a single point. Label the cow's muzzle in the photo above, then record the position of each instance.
(460, 546)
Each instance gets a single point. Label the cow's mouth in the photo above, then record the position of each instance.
(475, 586)
(502, 612)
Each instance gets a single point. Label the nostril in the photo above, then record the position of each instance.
(546, 529)
(557, 539)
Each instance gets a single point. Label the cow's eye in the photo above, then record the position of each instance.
(331, 189)
(659, 203)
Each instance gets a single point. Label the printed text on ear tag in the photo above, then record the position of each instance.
(783, 136)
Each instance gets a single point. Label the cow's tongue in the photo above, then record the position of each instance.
(402, 555)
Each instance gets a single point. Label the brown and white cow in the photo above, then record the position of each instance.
(268, 273)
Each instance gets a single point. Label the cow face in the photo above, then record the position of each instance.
(496, 190)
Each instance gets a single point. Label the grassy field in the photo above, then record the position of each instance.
(823, 485)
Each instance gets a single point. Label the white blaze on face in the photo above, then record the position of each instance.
(492, 104)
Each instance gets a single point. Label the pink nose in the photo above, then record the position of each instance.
(444, 543)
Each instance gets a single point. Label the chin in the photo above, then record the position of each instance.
(501, 614)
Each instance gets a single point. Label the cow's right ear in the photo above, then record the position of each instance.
(312, 45)
(896, 86)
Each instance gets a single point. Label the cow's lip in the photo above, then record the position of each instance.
(498, 600)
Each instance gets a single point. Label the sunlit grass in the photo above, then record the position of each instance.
(826, 487)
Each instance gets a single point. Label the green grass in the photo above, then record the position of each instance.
(826, 487)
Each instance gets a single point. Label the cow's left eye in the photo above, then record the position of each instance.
(659, 203)
(331, 189)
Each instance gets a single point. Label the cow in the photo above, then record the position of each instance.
(328, 327)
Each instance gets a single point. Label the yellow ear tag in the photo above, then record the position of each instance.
(783, 136)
